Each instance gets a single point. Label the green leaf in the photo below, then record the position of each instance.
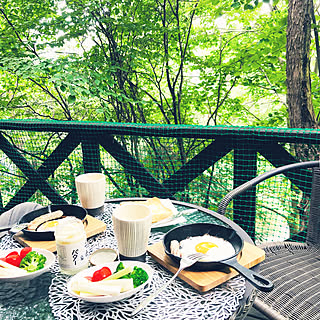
(71, 99)
(236, 5)
(248, 7)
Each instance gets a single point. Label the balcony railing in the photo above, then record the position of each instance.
(198, 164)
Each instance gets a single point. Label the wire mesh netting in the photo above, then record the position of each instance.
(195, 164)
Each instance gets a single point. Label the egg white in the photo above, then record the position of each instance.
(48, 226)
(223, 249)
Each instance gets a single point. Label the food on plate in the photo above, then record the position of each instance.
(13, 258)
(138, 274)
(15, 263)
(48, 226)
(33, 261)
(214, 248)
(101, 274)
(104, 283)
(34, 224)
(160, 209)
(9, 270)
(25, 251)
(175, 247)
(85, 288)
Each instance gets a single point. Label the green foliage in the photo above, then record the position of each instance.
(208, 62)
(140, 61)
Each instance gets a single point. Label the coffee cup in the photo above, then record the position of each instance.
(91, 189)
(132, 225)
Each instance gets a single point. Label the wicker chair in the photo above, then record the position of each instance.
(294, 267)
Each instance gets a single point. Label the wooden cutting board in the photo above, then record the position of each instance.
(93, 226)
(206, 280)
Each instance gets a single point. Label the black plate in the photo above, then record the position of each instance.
(67, 209)
(226, 233)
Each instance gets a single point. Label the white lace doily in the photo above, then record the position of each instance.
(178, 301)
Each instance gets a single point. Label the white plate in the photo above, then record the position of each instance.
(112, 266)
(30, 275)
(176, 218)
(168, 222)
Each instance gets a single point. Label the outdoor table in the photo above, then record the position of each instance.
(46, 297)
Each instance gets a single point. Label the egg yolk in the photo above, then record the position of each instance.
(204, 247)
(50, 224)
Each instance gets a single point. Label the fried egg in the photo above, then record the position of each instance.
(214, 248)
(48, 226)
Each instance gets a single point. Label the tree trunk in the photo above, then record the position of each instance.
(301, 113)
(299, 101)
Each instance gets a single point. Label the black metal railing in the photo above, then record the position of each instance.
(199, 164)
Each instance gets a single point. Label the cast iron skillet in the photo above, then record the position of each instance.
(67, 209)
(199, 229)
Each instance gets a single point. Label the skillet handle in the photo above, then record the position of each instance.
(6, 228)
(253, 277)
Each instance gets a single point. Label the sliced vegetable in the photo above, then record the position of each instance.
(12, 253)
(13, 259)
(138, 275)
(7, 265)
(125, 284)
(7, 269)
(120, 273)
(82, 285)
(121, 266)
(25, 251)
(101, 274)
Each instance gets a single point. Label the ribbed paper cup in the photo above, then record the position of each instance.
(132, 225)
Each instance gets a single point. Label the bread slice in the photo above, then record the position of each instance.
(34, 224)
(158, 210)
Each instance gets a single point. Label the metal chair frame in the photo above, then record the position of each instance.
(294, 267)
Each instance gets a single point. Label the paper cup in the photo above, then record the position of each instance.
(91, 189)
(132, 225)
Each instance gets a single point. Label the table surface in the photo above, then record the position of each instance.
(46, 298)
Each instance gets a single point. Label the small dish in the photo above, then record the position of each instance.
(102, 256)
(112, 266)
(30, 275)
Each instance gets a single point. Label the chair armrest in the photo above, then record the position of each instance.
(253, 182)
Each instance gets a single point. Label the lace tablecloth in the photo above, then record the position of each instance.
(178, 301)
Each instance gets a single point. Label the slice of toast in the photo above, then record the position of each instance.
(158, 210)
(35, 223)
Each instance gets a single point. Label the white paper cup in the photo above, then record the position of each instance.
(132, 225)
(91, 189)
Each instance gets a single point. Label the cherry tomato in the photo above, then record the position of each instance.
(101, 274)
(12, 253)
(24, 252)
(13, 259)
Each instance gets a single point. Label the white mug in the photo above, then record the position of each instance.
(132, 225)
(91, 189)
